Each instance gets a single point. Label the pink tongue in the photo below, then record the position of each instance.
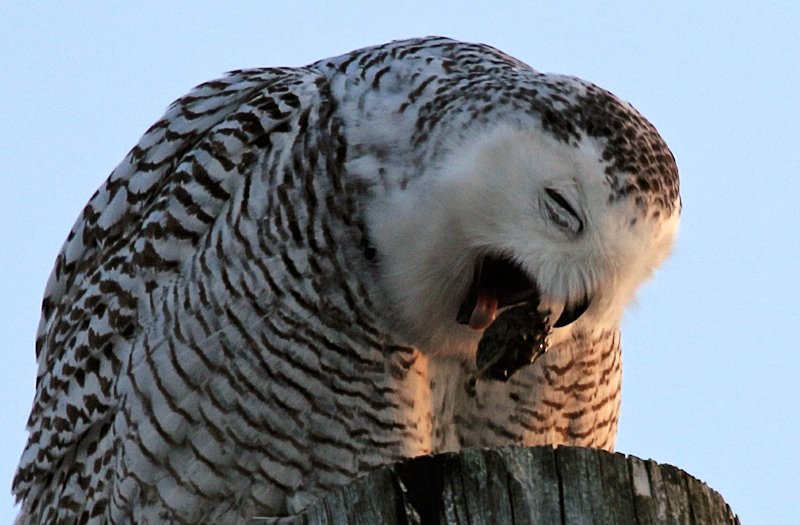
(484, 313)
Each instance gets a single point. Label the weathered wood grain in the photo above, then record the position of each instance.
(523, 486)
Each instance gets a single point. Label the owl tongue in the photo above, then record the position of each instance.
(497, 282)
(484, 312)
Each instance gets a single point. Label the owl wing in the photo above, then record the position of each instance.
(134, 236)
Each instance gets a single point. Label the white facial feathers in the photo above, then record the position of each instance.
(537, 201)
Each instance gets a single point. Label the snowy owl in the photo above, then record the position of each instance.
(300, 274)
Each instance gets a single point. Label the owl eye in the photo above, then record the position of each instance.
(559, 211)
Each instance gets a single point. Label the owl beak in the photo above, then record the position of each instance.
(572, 311)
(497, 282)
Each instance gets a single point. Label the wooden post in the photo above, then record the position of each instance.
(515, 485)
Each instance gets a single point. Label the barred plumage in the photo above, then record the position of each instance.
(261, 301)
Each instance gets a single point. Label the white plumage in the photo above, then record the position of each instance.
(284, 284)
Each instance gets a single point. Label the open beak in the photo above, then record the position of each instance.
(497, 282)
(519, 334)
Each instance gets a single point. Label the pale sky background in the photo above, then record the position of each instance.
(711, 361)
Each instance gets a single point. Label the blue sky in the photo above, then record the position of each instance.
(711, 364)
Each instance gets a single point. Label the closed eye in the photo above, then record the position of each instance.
(561, 212)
